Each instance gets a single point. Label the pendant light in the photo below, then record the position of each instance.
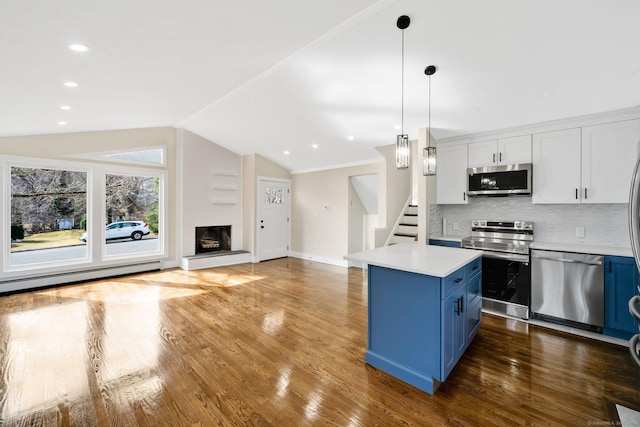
(402, 140)
(429, 153)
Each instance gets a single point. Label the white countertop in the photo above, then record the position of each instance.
(430, 260)
(583, 248)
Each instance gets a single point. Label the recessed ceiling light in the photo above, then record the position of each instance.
(76, 47)
(65, 107)
(71, 84)
(286, 152)
(314, 145)
(62, 123)
(350, 138)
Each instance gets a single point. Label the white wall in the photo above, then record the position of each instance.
(357, 212)
(367, 187)
(205, 164)
(322, 234)
(320, 212)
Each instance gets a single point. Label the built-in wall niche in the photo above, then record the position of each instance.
(213, 238)
(225, 187)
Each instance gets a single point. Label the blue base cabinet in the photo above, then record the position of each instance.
(620, 284)
(419, 326)
(447, 243)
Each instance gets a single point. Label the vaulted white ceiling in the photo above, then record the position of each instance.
(269, 77)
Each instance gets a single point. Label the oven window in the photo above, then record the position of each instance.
(506, 280)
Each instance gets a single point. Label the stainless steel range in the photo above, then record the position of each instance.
(506, 274)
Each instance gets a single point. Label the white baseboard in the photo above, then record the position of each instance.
(23, 284)
(170, 264)
(316, 258)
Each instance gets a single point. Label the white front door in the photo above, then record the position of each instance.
(273, 218)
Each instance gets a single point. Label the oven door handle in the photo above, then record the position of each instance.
(507, 256)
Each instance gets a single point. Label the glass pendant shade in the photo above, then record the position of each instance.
(429, 161)
(402, 152)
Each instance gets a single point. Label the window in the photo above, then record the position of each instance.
(274, 195)
(132, 205)
(48, 215)
(60, 216)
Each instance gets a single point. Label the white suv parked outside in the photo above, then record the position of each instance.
(124, 229)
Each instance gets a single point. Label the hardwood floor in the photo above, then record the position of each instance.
(278, 343)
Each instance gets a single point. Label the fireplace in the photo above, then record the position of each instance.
(215, 238)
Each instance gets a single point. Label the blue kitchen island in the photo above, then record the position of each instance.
(425, 308)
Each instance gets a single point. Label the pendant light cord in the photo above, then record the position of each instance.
(429, 71)
(402, 90)
(429, 113)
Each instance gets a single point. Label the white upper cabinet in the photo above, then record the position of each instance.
(589, 165)
(451, 178)
(609, 154)
(483, 153)
(512, 151)
(505, 151)
(556, 167)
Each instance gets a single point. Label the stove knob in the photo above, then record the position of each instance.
(483, 223)
(475, 223)
(517, 224)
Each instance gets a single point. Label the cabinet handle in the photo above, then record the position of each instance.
(633, 348)
(500, 159)
(464, 195)
(458, 280)
(458, 306)
(576, 194)
(475, 267)
(461, 304)
(568, 260)
(494, 157)
(632, 307)
(585, 193)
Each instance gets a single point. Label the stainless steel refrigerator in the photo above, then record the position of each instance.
(634, 231)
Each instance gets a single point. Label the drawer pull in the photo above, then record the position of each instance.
(458, 280)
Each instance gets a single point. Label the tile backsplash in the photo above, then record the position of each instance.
(604, 224)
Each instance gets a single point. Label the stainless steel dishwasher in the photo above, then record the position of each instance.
(568, 288)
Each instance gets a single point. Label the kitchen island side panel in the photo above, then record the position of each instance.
(404, 325)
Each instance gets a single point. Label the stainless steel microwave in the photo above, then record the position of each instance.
(499, 180)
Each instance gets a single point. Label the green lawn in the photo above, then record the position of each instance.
(52, 239)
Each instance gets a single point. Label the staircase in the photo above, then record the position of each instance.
(406, 229)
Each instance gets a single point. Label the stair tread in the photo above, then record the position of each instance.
(408, 225)
(410, 214)
(404, 234)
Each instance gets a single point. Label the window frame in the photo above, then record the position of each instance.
(96, 217)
